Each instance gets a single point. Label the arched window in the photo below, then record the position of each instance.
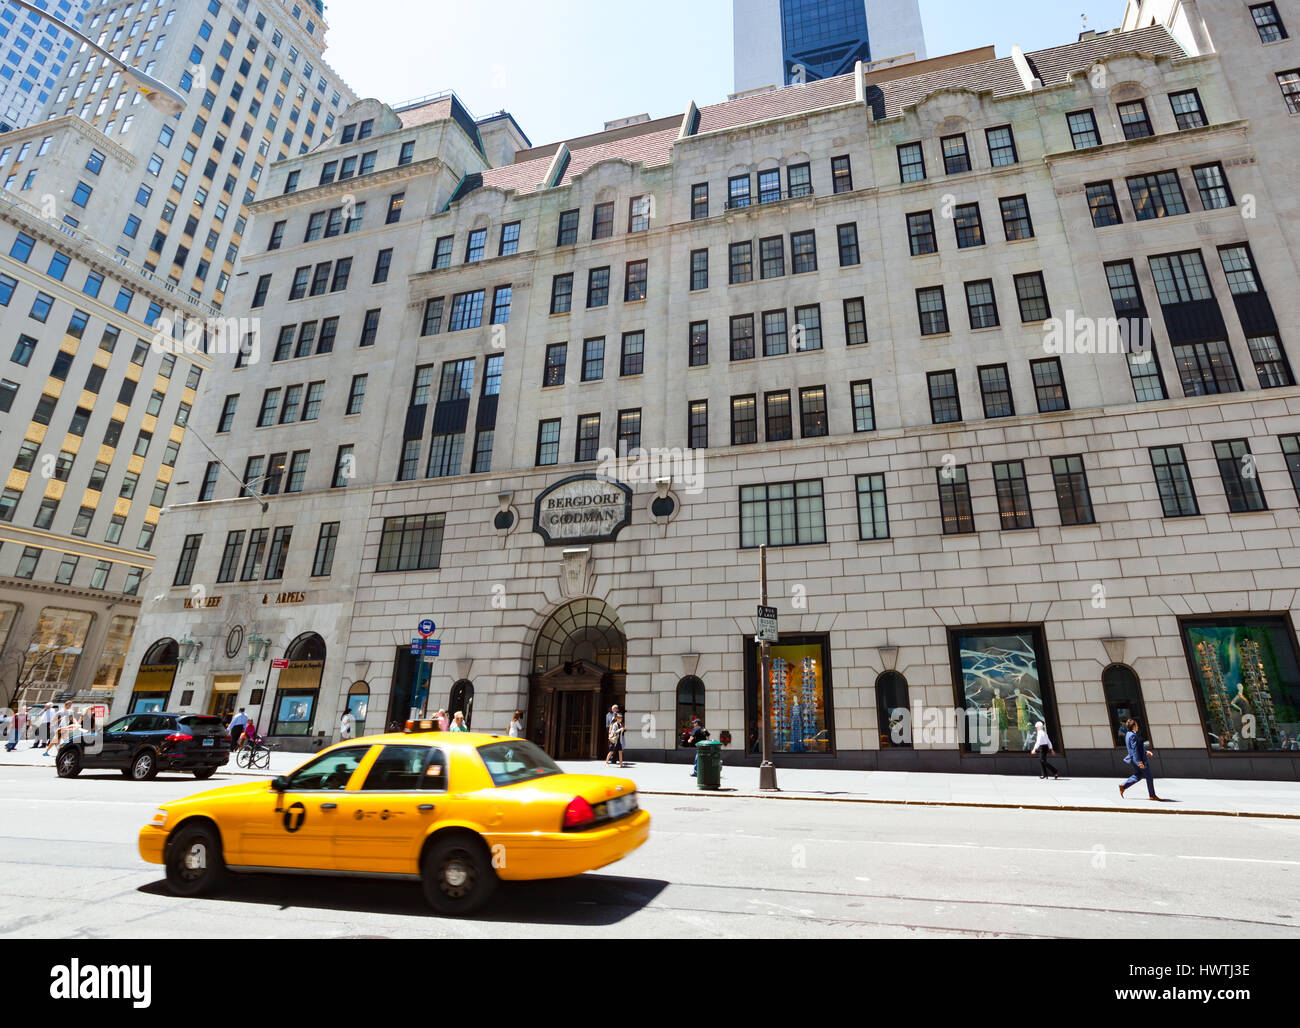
(308, 646)
(298, 686)
(163, 652)
(359, 704)
(462, 699)
(1123, 700)
(690, 703)
(582, 630)
(893, 714)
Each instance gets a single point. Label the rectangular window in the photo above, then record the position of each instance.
(297, 472)
(568, 231)
(322, 565)
(954, 500)
(588, 443)
(782, 514)
(638, 214)
(475, 246)
(803, 252)
(933, 311)
(1083, 129)
(1268, 23)
(1159, 195)
(981, 304)
(230, 557)
(412, 543)
(562, 293)
(629, 431)
(1103, 205)
(509, 239)
(1016, 223)
(813, 418)
(697, 425)
(634, 287)
(1049, 385)
(699, 201)
(598, 287)
(548, 443)
(738, 194)
(593, 359)
(744, 420)
(699, 270)
(1002, 146)
(278, 556)
(632, 359)
(777, 420)
(1072, 496)
(481, 462)
(698, 355)
(502, 297)
(1013, 495)
(848, 241)
(1031, 293)
(995, 390)
(1270, 361)
(807, 328)
(776, 339)
(911, 162)
(1134, 120)
(855, 322)
(920, 233)
(772, 256)
(1174, 481)
(945, 403)
(741, 263)
(769, 185)
(841, 175)
(1206, 368)
(466, 311)
(864, 413)
(742, 337)
(1212, 185)
(1188, 112)
(189, 557)
(1291, 453)
(446, 455)
(442, 253)
(969, 226)
(873, 510)
(956, 158)
(1240, 476)
(798, 179)
(1181, 278)
(553, 372)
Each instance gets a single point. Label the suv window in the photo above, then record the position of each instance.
(329, 771)
(201, 721)
(402, 769)
(517, 761)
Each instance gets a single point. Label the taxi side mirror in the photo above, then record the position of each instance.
(280, 784)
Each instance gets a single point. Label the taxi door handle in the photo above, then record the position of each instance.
(426, 808)
(329, 806)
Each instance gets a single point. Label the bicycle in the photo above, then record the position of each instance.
(254, 755)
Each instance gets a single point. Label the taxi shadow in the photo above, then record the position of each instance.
(588, 900)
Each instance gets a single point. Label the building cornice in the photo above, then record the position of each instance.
(47, 589)
(74, 547)
(318, 194)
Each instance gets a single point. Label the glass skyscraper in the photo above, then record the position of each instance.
(823, 38)
(33, 53)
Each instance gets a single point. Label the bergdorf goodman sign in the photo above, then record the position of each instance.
(582, 509)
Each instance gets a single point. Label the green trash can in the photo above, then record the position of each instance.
(708, 756)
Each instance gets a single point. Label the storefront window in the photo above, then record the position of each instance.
(893, 714)
(148, 703)
(1003, 684)
(1248, 682)
(801, 695)
(690, 703)
(52, 656)
(293, 713)
(359, 704)
(113, 656)
(1123, 700)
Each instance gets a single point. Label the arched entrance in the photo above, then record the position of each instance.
(153, 682)
(1123, 694)
(579, 671)
(298, 687)
(462, 699)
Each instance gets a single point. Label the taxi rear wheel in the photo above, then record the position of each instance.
(457, 876)
(194, 864)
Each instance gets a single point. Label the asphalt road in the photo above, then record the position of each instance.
(714, 867)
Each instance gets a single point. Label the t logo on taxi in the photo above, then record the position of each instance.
(295, 814)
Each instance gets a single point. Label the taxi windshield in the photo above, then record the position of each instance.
(517, 761)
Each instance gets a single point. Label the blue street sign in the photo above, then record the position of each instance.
(433, 647)
(427, 627)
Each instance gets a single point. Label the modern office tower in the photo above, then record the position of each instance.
(554, 398)
(780, 42)
(33, 54)
(116, 221)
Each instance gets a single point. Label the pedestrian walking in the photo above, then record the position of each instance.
(44, 727)
(346, 725)
(516, 729)
(64, 720)
(1043, 746)
(698, 735)
(17, 725)
(441, 718)
(238, 725)
(616, 741)
(1141, 767)
(458, 723)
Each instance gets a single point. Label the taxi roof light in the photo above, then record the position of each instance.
(421, 725)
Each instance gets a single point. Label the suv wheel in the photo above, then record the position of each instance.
(68, 762)
(457, 877)
(144, 767)
(204, 773)
(194, 864)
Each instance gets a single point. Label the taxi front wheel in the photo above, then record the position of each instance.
(194, 864)
(457, 876)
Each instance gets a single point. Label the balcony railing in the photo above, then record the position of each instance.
(768, 196)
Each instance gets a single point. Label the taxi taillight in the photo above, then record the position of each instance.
(578, 814)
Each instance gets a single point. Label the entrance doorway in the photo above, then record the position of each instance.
(579, 671)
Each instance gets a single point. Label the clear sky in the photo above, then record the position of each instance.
(565, 67)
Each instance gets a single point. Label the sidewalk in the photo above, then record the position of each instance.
(1184, 795)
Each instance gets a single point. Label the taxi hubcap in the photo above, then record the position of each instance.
(196, 860)
(457, 876)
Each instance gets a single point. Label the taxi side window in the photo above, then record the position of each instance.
(329, 771)
(397, 769)
(435, 772)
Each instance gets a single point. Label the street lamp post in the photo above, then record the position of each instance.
(157, 93)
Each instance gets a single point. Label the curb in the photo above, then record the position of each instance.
(1006, 805)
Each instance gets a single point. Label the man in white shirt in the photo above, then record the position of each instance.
(237, 725)
(44, 727)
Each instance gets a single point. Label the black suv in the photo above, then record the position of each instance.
(141, 745)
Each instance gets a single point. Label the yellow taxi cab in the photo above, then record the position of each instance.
(455, 811)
